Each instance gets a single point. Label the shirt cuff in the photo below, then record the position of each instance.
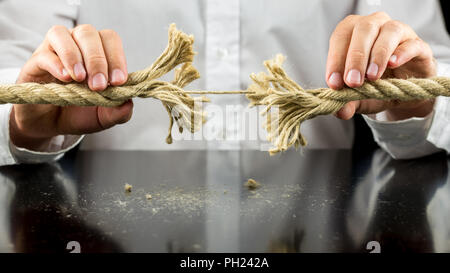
(6, 158)
(415, 137)
(56, 149)
(11, 154)
(402, 139)
(443, 69)
(440, 128)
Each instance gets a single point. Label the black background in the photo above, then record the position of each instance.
(445, 4)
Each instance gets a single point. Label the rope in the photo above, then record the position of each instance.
(272, 89)
(295, 105)
(142, 84)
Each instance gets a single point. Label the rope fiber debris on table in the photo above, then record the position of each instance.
(273, 89)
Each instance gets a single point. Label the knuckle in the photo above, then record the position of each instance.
(84, 28)
(421, 43)
(351, 17)
(426, 47)
(356, 55)
(339, 35)
(367, 25)
(415, 43)
(38, 57)
(393, 26)
(347, 20)
(109, 33)
(54, 30)
(35, 53)
(41, 55)
(66, 54)
(380, 14)
(96, 61)
(381, 52)
(38, 50)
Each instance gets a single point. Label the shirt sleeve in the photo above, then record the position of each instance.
(403, 139)
(20, 34)
(416, 137)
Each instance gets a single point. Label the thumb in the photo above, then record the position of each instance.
(110, 116)
(369, 106)
(348, 110)
(373, 106)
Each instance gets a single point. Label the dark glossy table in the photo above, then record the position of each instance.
(310, 201)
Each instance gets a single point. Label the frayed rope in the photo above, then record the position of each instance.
(276, 89)
(181, 107)
(273, 89)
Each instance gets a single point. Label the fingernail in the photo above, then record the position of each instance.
(117, 76)
(393, 59)
(335, 79)
(372, 70)
(354, 76)
(79, 71)
(64, 72)
(99, 81)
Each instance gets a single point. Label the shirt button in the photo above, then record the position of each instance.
(222, 53)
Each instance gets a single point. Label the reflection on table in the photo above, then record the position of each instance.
(310, 201)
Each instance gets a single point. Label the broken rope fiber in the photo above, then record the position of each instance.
(274, 89)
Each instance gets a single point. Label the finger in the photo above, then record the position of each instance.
(420, 108)
(409, 49)
(363, 37)
(61, 42)
(337, 52)
(373, 106)
(90, 44)
(115, 56)
(391, 35)
(48, 61)
(85, 120)
(110, 116)
(348, 110)
(369, 106)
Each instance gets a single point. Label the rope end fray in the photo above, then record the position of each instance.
(287, 105)
(185, 110)
(182, 109)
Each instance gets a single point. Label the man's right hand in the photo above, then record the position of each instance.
(82, 54)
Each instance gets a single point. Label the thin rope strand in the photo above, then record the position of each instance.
(216, 92)
(274, 89)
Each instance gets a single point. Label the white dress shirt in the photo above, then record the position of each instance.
(232, 39)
